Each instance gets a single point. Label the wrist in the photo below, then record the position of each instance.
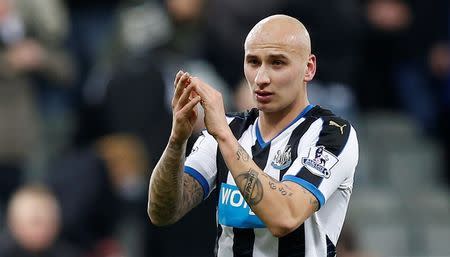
(176, 143)
(224, 135)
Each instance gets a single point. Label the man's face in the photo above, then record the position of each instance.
(34, 222)
(278, 63)
(275, 73)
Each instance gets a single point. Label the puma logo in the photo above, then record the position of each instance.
(333, 123)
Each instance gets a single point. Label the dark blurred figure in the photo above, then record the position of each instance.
(91, 23)
(32, 60)
(135, 103)
(407, 63)
(33, 226)
(91, 26)
(89, 205)
(405, 60)
(348, 245)
(336, 35)
(126, 161)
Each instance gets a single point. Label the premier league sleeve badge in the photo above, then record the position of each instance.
(320, 161)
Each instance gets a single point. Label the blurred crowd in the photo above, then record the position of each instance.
(86, 86)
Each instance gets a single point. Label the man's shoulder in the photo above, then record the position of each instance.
(335, 131)
(328, 117)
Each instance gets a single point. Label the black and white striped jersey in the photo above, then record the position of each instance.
(318, 150)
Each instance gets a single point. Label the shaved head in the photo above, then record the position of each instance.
(278, 64)
(280, 30)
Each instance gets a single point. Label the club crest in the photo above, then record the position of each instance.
(319, 161)
(282, 159)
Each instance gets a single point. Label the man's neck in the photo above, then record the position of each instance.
(271, 124)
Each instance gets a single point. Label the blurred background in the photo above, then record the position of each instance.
(85, 91)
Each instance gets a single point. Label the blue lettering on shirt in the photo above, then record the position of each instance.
(234, 210)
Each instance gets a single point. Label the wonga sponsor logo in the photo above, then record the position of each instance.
(234, 210)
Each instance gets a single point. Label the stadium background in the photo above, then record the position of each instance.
(85, 90)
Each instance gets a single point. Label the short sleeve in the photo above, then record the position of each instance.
(201, 162)
(328, 162)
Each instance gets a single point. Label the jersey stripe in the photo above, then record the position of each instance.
(334, 142)
(266, 245)
(219, 233)
(293, 244)
(243, 241)
(294, 139)
(260, 154)
(331, 248)
(226, 242)
(306, 175)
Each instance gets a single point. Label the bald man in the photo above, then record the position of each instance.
(283, 171)
(33, 223)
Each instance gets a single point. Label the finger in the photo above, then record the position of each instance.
(184, 98)
(190, 105)
(182, 81)
(179, 89)
(177, 78)
(200, 88)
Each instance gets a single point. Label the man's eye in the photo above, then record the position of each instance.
(277, 62)
(253, 62)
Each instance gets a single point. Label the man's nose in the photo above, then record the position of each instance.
(262, 77)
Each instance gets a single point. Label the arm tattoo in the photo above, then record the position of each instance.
(312, 200)
(314, 203)
(242, 154)
(192, 194)
(164, 188)
(171, 193)
(252, 188)
(278, 186)
(166, 207)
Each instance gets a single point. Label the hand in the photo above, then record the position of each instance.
(184, 108)
(212, 103)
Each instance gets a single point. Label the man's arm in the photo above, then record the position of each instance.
(282, 206)
(171, 192)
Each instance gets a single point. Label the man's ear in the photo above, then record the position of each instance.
(310, 68)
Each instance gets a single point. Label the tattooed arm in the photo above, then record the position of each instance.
(172, 193)
(282, 206)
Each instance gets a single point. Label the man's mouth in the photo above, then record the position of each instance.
(263, 96)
